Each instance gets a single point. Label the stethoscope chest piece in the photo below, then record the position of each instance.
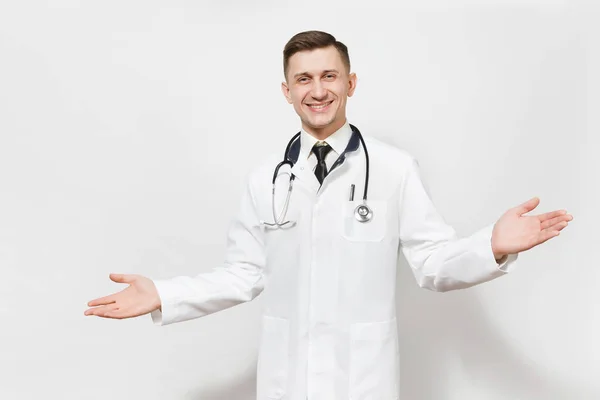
(363, 213)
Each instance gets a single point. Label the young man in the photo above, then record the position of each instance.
(329, 324)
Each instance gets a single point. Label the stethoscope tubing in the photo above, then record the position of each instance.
(362, 212)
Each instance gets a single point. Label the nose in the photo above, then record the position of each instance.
(318, 91)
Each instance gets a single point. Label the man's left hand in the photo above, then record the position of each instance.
(515, 232)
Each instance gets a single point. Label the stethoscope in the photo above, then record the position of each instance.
(362, 213)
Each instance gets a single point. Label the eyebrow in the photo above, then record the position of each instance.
(323, 72)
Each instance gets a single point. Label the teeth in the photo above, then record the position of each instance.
(318, 107)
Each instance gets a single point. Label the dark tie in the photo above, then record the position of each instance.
(320, 150)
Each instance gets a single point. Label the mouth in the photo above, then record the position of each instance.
(319, 107)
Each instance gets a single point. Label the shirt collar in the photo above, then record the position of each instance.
(337, 140)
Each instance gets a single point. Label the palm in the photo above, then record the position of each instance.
(139, 298)
(515, 232)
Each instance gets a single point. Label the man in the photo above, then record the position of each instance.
(329, 324)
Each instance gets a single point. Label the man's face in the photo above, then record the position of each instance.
(318, 85)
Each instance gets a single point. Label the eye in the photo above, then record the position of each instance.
(304, 79)
(330, 76)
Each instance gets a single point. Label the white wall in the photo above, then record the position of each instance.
(113, 117)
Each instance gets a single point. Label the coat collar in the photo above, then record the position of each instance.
(351, 144)
(338, 141)
(304, 173)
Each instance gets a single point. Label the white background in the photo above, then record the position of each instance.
(127, 130)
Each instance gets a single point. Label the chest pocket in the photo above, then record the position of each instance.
(376, 229)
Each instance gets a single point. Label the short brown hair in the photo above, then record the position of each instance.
(311, 40)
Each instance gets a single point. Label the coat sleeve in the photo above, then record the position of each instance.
(439, 259)
(238, 280)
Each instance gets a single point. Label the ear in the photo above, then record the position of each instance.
(286, 92)
(351, 84)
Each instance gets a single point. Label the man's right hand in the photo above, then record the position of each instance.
(139, 298)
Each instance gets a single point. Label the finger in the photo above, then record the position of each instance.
(122, 278)
(551, 232)
(101, 311)
(550, 215)
(121, 312)
(115, 313)
(529, 205)
(560, 226)
(103, 300)
(556, 220)
(547, 235)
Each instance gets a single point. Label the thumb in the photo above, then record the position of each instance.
(122, 278)
(528, 205)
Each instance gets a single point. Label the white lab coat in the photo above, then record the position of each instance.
(329, 324)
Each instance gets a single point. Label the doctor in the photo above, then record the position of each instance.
(328, 276)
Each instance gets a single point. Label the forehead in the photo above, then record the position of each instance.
(315, 61)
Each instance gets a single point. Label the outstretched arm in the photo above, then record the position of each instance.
(442, 261)
(182, 298)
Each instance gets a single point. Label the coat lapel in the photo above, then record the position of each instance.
(305, 174)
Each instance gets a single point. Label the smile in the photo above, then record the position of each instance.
(320, 107)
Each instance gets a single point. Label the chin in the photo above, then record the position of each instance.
(320, 123)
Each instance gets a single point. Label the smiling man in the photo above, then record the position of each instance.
(319, 82)
(325, 261)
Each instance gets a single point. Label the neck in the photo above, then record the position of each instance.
(326, 131)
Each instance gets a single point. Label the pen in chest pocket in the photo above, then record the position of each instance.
(351, 192)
